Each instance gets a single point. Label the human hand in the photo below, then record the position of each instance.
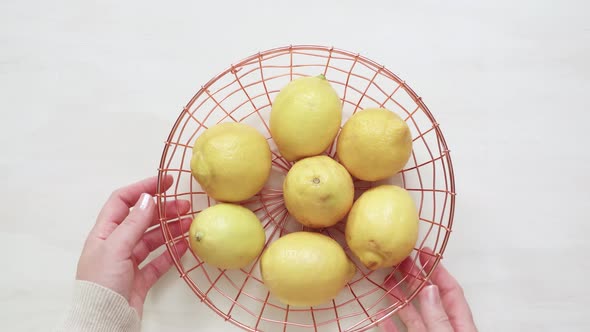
(120, 241)
(443, 307)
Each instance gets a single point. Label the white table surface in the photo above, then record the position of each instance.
(89, 92)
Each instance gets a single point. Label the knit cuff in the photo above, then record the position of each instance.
(95, 308)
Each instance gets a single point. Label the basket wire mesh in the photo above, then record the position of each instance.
(244, 93)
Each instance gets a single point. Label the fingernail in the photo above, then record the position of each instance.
(432, 294)
(145, 200)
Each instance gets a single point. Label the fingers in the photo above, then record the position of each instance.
(433, 313)
(154, 238)
(443, 305)
(440, 276)
(413, 276)
(174, 209)
(121, 200)
(409, 315)
(451, 294)
(127, 234)
(160, 265)
(117, 206)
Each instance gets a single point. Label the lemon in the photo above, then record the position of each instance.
(227, 236)
(305, 268)
(305, 117)
(318, 191)
(231, 161)
(374, 144)
(382, 226)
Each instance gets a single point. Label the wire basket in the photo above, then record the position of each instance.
(244, 93)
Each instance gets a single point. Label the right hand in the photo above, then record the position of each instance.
(443, 307)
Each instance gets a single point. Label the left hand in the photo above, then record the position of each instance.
(119, 242)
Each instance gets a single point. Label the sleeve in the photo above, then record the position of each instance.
(95, 308)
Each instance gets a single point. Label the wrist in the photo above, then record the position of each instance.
(97, 308)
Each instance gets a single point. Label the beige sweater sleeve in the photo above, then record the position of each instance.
(95, 308)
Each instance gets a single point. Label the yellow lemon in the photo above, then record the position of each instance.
(227, 236)
(231, 161)
(374, 144)
(305, 117)
(318, 191)
(305, 268)
(382, 226)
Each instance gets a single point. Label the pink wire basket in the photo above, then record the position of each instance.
(244, 93)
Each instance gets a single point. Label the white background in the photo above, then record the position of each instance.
(90, 90)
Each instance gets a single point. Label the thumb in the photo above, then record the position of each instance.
(433, 313)
(130, 231)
